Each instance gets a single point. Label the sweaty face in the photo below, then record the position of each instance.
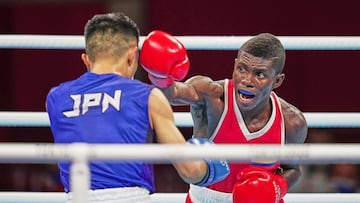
(253, 80)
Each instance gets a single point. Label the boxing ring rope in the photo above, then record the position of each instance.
(57, 197)
(9, 41)
(183, 119)
(80, 154)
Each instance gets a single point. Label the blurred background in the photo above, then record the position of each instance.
(316, 81)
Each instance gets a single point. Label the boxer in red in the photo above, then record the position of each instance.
(242, 110)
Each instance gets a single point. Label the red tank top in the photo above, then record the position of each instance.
(232, 129)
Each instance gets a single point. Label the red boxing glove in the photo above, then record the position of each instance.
(164, 58)
(258, 185)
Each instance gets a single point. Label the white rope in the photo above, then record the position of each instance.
(12, 41)
(80, 153)
(59, 197)
(304, 153)
(183, 119)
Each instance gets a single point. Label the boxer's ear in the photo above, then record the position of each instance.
(279, 78)
(86, 60)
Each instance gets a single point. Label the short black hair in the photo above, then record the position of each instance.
(267, 46)
(109, 32)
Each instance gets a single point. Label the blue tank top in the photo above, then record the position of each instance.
(105, 108)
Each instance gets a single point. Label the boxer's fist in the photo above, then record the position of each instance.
(217, 169)
(255, 185)
(164, 58)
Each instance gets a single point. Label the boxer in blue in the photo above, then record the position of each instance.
(106, 105)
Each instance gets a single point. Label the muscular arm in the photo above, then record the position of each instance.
(296, 132)
(192, 91)
(162, 120)
(205, 99)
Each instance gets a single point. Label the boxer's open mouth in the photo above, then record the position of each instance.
(246, 94)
